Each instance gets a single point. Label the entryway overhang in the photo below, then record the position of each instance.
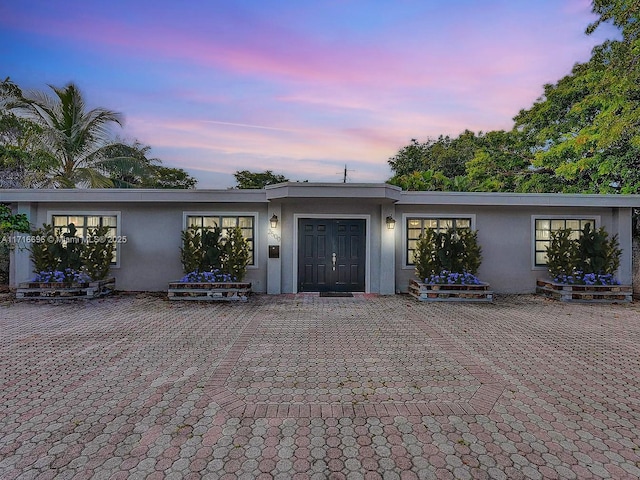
(373, 191)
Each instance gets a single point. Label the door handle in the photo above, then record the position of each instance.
(333, 260)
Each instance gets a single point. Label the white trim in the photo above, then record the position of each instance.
(232, 213)
(340, 216)
(535, 267)
(97, 213)
(444, 216)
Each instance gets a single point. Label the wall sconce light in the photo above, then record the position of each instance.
(391, 223)
(274, 221)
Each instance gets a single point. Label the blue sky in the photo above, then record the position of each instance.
(300, 88)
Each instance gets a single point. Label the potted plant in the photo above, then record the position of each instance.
(68, 266)
(582, 267)
(446, 264)
(214, 266)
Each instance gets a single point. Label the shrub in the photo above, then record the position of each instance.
(97, 253)
(596, 252)
(562, 253)
(202, 249)
(43, 256)
(67, 256)
(236, 254)
(451, 251)
(207, 251)
(590, 259)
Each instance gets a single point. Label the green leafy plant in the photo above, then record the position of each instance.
(97, 253)
(236, 254)
(562, 253)
(207, 250)
(202, 249)
(43, 255)
(451, 250)
(597, 253)
(593, 252)
(68, 249)
(53, 251)
(10, 223)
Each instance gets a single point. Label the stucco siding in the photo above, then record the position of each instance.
(150, 258)
(506, 235)
(152, 221)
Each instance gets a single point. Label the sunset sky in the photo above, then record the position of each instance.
(301, 88)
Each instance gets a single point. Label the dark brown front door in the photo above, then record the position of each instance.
(331, 255)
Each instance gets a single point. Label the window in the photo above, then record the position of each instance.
(225, 222)
(544, 227)
(417, 226)
(85, 223)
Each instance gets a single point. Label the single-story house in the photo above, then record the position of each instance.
(324, 237)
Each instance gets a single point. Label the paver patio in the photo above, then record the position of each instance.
(300, 386)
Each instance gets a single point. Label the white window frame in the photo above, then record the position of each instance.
(596, 219)
(443, 216)
(94, 213)
(234, 213)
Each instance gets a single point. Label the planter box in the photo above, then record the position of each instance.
(429, 292)
(65, 291)
(212, 292)
(585, 293)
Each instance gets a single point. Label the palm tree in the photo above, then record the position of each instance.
(76, 142)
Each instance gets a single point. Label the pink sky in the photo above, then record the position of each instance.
(301, 88)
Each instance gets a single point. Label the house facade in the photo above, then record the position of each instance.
(323, 237)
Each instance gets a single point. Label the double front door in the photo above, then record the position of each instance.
(331, 255)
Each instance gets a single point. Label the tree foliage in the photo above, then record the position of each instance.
(257, 180)
(51, 139)
(146, 172)
(581, 136)
(74, 139)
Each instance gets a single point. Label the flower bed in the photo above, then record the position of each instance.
(209, 286)
(451, 292)
(587, 293)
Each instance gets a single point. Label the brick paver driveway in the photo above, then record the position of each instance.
(308, 387)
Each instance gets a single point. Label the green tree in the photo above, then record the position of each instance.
(500, 162)
(492, 161)
(147, 172)
(445, 154)
(169, 177)
(586, 127)
(75, 141)
(19, 142)
(248, 180)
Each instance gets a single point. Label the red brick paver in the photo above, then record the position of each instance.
(300, 386)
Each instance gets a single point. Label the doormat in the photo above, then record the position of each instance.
(336, 294)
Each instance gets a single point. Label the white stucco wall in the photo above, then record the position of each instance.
(152, 221)
(506, 235)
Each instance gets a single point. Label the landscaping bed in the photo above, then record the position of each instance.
(430, 292)
(585, 293)
(206, 291)
(67, 291)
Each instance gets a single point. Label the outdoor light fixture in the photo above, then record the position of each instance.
(274, 221)
(391, 223)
